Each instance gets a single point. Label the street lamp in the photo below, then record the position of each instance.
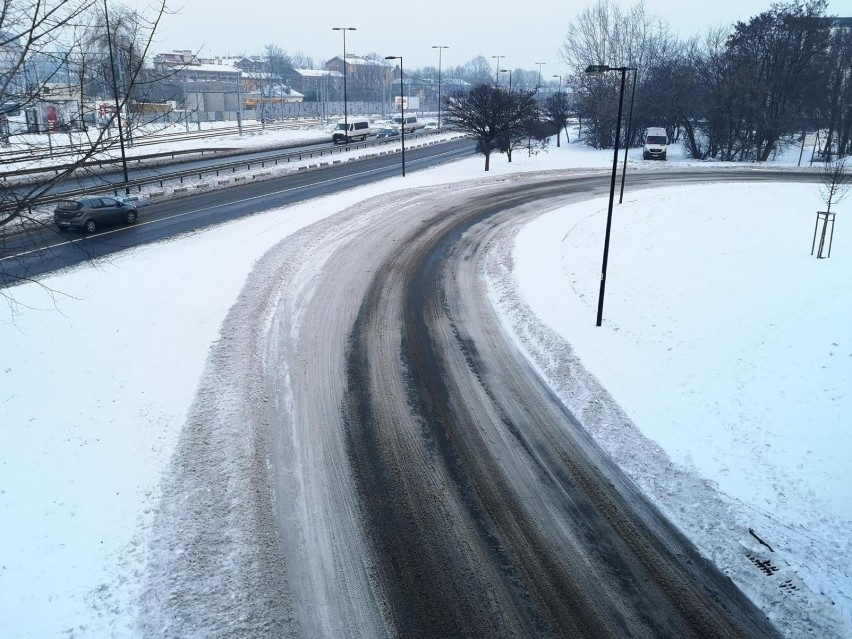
(509, 71)
(627, 137)
(439, 47)
(401, 108)
(197, 104)
(560, 82)
(595, 69)
(497, 75)
(539, 71)
(117, 104)
(345, 113)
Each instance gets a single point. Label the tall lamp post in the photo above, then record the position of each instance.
(509, 71)
(197, 104)
(240, 100)
(603, 68)
(345, 112)
(497, 75)
(439, 48)
(560, 82)
(115, 98)
(627, 137)
(539, 71)
(401, 108)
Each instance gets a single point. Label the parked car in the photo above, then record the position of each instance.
(387, 133)
(90, 213)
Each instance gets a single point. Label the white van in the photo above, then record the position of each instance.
(359, 129)
(656, 141)
(409, 123)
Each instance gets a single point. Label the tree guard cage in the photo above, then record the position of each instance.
(826, 218)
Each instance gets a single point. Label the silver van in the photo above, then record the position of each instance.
(408, 122)
(359, 129)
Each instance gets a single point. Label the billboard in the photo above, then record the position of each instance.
(408, 102)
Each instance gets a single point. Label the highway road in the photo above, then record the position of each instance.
(111, 174)
(26, 256)
(423, 480)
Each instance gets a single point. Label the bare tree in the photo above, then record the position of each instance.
(835, 182)
(477, 71)
(278, 67)
(494, 117)
(605, 33)
(557, 111)
(836, 108)
(779, 58)
(302, 61)
(33, 66)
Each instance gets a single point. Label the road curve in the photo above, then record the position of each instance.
(424, 481)
(479, 507)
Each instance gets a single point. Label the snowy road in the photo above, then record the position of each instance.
(426, 482)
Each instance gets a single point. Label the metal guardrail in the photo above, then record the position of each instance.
(137, 184)
(101, 163)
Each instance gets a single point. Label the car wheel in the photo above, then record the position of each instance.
(644, 156)
(131, 217)
(90, 226)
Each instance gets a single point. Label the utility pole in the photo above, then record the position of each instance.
(439, 48)
(539, 72)
(117, 103)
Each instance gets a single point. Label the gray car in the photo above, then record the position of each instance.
(91, 213)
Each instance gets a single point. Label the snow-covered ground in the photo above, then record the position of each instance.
(724, 342)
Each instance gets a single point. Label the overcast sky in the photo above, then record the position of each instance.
(529, 33)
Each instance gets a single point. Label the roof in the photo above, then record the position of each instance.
(212, 68)
(362, 62)
(318, 73)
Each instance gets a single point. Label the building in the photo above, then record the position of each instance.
(366, 80)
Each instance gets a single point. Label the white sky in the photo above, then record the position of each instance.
(220, 27)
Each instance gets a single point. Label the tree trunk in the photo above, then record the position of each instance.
(558, 136)
(487, 160)
(690, 140)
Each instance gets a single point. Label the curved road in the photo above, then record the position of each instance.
(425, 481)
